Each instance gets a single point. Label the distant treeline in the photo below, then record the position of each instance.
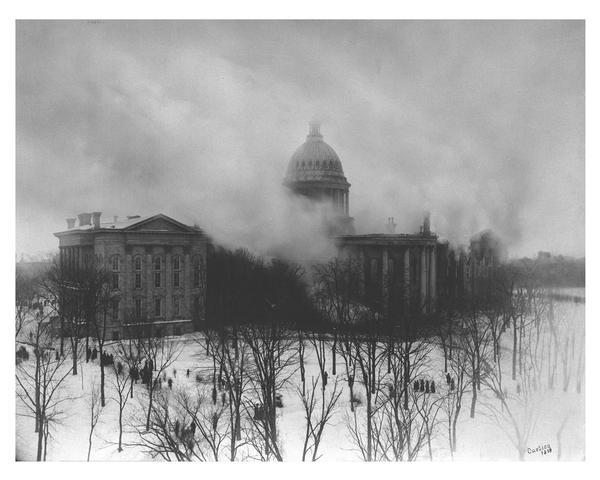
(552, 271)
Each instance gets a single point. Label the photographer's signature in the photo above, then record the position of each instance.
(544, 449)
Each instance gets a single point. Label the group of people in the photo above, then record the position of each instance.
(450, 382)
(425, 386)
(106, 359)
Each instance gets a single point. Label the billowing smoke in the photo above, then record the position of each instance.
(479, 123)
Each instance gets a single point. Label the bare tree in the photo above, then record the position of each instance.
(318, 410)
(99, 305)
(455, 385)
(184, 427)
(474, 340)
(162, 353)
(363, 351)
(130, 352)
(27, 302)
(231, 353)
(121, 396)
(69, 290)
(274, 361)
(95, 408)
(40, 383)
(516, 413)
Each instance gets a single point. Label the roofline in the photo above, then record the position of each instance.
(385, 239)
(190, 230)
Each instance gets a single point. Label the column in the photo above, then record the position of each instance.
(362, 266)
(149, 287)
(347, 203)
(187, 279)
(407, 276)
(423, 279)
(168, 288)
(385, 282)
(432, 274)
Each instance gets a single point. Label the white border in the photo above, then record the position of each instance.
(173, 9)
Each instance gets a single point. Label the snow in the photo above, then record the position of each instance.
(478, 438)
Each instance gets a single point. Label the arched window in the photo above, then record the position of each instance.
(317, 164)
(137, 274)
(116, 263)
(176, 271)
(157, 264)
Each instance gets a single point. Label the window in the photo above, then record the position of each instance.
(157, 273)
(196, 267)
(176, 306)
(157, 307)
(138, 308)
(176, 271)
(374, 268)
(137, 276)
(115, 335)
(116, 265)
(177, 330)
(115, 309)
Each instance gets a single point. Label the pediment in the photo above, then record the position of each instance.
(159, 223)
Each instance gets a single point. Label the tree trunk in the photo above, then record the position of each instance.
(120, 427)
(150, 392)
(102, 398)
(369, 426)
(40, 444)
(514, 356)
(474, 398)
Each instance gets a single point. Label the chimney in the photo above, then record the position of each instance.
(391, 226)
(71, 223)
(84, 219)
(426, 225)
(96, 219)
(115, 218)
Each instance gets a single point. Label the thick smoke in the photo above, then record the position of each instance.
(479, 123)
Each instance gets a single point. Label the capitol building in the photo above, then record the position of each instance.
(400, 272)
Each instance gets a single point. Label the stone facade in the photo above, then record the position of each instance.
(157, 269)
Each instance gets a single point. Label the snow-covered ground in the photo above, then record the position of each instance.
(478, 438)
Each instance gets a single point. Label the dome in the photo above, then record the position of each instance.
(315, 160)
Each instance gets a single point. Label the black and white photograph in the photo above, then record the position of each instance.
(299, 240)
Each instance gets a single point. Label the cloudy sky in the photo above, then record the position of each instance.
(481, 123)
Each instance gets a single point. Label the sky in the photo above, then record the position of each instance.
(480, 123)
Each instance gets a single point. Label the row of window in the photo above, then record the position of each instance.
(157, 271)
(158, 307)
(158, 282)
(157, 262)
